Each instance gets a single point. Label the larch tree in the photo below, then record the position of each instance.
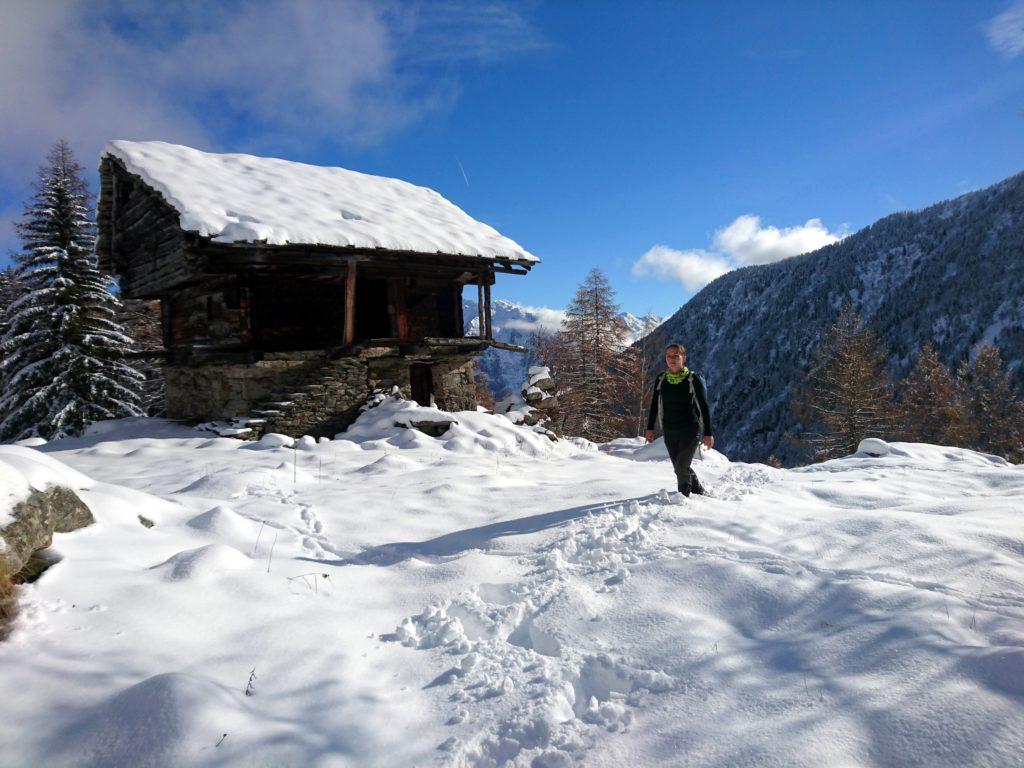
(995, 414)
(583, 356)
(632, 381)
(847, 394)
(931, 409)
(63, 352)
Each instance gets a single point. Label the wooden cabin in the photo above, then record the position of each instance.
(291, 292)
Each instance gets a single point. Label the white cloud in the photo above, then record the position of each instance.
(747, 242)
(742, 243)
(694, 268)
(1006, 31)
(276, 73)
(542, 319)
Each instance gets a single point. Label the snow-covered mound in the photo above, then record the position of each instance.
(204, 562)
(23, 470)
(489, 597)
(236, 198)
(392, 420)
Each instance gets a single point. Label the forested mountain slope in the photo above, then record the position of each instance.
(952, 273)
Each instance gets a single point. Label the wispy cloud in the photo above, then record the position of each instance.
(1005, 32)
(268, 73)
(742, 243)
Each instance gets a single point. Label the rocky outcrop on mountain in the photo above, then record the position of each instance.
(952, 274)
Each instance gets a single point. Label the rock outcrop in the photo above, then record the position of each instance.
(53, 510)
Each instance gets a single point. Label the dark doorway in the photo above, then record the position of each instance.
(373, 321)
(421, 382)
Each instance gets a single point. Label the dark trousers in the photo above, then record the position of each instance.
(681, 444)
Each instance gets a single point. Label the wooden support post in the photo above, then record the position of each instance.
(399, 313)
(480, 305)
(487, 312)
(460, 323)
(350, 302)
(245, 308)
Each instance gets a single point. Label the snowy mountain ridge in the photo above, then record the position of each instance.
(952, 274)
(515, 324)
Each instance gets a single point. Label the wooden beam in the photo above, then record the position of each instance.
(481, 329)
(350, 302)
(509, 347)
(397, 311)
(460, 322)
(487, 313)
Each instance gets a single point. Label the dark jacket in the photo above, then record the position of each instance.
(681, 406)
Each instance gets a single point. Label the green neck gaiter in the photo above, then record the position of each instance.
(677, 378)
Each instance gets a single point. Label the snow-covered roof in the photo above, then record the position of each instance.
(234, 198)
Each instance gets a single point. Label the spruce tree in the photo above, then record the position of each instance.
(931, 408)
(996, 415)
(847, 394)
(10, 292)
(63, 353)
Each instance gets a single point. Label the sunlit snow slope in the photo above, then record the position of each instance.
(492, 598)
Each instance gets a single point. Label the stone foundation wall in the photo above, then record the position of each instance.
(454, 388)
(326, 407)
(220, 391)
(305, 393)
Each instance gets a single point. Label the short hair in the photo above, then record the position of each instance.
(676, 345)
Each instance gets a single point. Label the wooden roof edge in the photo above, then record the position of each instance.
(203, 241)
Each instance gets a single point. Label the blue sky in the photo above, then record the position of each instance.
(665, 142)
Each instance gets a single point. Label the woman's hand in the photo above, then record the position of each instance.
(649, 435)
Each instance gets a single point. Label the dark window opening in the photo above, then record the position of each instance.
(373, 321)
(294, 314)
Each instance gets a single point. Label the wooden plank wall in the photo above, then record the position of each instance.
(140, 234)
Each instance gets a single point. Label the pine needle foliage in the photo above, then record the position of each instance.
(848, 394)
(63, 353)
(931, 407)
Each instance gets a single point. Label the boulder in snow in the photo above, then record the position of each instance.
(872, 446)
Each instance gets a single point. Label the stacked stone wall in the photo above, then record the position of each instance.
(454, 387)
(323, 408)
(305, 393)
(202, 392)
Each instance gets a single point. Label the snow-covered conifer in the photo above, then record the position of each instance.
(63, 353)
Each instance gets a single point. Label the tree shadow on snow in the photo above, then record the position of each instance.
(457, 542)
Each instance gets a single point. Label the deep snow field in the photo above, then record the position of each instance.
(492, 598)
